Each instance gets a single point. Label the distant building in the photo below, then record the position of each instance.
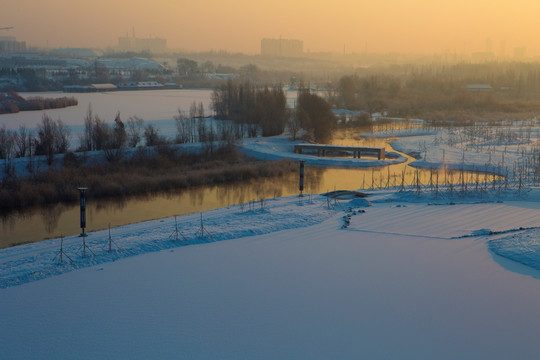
(483, 56)
(75, 52)
(90, 88)
(153, 45)
(128, 65)
(479, 87)
(282, 47)
(9, 44)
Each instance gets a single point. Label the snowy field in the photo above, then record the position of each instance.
(397, 275)
(484, 148)
(400, 276)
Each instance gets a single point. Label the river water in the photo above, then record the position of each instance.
(58, 220)
(54, 221)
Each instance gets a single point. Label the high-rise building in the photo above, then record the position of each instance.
(10, 44)
(282, 47)
(153, 45)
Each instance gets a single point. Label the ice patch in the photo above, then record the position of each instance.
(522, 247)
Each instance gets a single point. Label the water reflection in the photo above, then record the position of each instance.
(53, 221)
(50, 215)
(118, 204)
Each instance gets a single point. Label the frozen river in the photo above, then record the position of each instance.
(148, 105)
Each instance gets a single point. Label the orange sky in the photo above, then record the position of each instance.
(238, 25)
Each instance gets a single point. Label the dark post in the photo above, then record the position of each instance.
(301, 187)
(83, 209)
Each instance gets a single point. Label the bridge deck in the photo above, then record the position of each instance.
(356, 151)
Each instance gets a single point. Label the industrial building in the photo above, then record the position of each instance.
(282, 47)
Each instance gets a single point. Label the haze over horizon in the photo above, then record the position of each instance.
(414, 26)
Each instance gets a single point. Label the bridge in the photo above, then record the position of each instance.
(356, 151)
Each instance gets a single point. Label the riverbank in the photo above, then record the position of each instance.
(495, 149)
(143, 172)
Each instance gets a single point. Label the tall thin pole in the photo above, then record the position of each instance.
(301, 185)
(82, 191)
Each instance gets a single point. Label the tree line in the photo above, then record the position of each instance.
(424, 90)
(251, 108)
(241, 110)
(11, 102)
(52, 137)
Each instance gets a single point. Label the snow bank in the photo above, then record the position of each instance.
(522, 246)
(281, 147)
(35, 261)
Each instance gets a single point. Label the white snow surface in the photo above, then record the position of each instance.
(408, 277)
(441, 275)
(281, 147)
(495, 150)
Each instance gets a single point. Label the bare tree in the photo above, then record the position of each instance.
(152, 137)
(52, 138)
(61, 138)
(200, 109)
(86, 139)
(7, 145)
(134, 130)
(116, 140)
(183, 128)
(100, 133)
(293, 124)
(21, 141)
(202, 130)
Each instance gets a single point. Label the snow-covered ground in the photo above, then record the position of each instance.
(405, 277)
(486, 148)
(270, 148)
(281, 147)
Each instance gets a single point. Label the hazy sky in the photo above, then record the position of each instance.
(239, 25)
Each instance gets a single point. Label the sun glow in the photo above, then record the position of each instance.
(414, 26)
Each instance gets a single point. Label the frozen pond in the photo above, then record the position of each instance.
(148, 105)
(157, 107)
